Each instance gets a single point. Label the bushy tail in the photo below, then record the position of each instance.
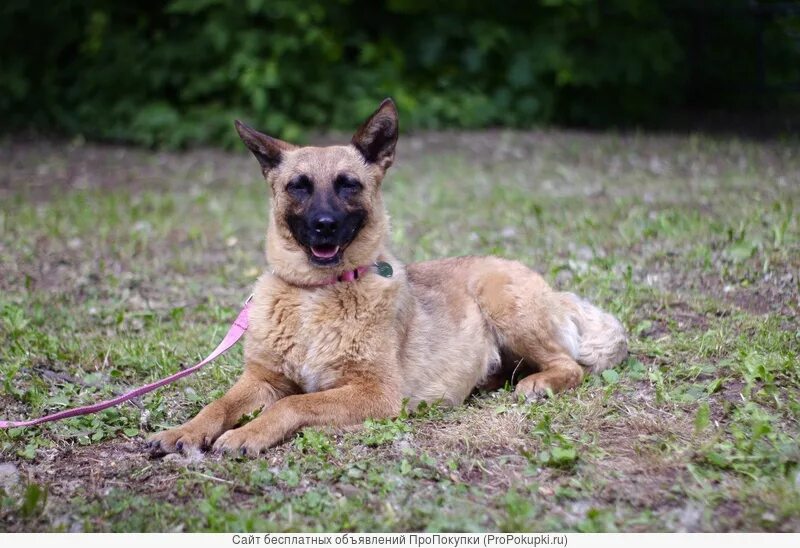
(595, 338)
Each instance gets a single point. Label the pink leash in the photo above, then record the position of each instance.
(234, 334)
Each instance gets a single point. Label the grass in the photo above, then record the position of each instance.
(119, 265)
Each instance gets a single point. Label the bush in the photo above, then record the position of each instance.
(177, 74)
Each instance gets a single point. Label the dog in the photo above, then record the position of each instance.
(342, 331)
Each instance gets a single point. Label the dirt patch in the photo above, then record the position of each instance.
(687, 317)
(781, 298)
(731, 391)
(93, 469)
(634, 456)
(660, 318)
(773, 293)
(90, 473)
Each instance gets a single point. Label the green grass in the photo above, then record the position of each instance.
(117, 266)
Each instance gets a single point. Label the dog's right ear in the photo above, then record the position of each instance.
(267, 150)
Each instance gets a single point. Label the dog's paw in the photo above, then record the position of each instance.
(178, 440)
(533, 389)
(243, 441)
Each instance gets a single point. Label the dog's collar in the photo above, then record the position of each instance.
(382, 268)
(347, 276)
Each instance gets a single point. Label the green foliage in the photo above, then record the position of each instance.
(754, 446)
(177, 73)
(33, 500)
(379, 432)
(519, 510)
(557, 451)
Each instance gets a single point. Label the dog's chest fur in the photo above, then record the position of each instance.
(319, 336)
(427, 339)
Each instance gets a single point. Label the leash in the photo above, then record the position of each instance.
(235, 333)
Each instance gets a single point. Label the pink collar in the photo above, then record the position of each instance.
(347, 276)
(382, 268)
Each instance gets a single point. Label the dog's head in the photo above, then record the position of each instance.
(327, 213)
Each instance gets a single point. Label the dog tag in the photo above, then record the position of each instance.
(384, 269)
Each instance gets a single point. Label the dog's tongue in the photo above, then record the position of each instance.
(324, 251)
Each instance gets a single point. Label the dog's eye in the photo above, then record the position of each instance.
(300, 187)
(345, 185)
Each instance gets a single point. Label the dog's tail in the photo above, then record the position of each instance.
(595, 338)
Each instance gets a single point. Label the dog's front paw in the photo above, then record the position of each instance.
(181, 439)
(244, 441)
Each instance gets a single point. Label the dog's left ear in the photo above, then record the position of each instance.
(377, 137)
(267, 150)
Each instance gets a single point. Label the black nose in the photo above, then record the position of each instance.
(325, 225)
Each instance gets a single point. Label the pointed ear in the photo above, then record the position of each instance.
(377, 137)
(267, 150)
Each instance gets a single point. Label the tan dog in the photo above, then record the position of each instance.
(320, 351)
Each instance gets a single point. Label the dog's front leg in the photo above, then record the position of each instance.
(348, 404)
(255, 388)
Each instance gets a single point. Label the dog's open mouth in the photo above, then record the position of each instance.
(324, 251)
(325, 254)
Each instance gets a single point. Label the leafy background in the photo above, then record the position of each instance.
(176, 73)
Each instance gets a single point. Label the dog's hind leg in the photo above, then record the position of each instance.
(556, 332)
(256, 388)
